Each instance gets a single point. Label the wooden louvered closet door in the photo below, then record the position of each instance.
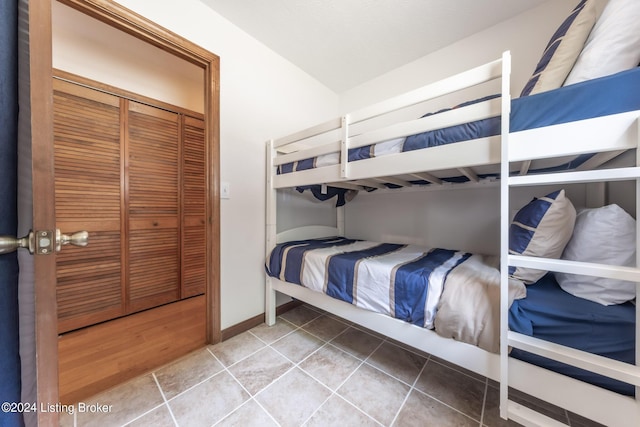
(194, 246)
(133, 175)
(154, 211)
(88, 150)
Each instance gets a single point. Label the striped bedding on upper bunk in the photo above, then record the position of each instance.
(616, 93)
(408, 282)
(449, 135)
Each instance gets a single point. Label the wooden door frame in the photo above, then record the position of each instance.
(41, 73)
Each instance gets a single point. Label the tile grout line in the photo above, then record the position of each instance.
(333, 393)
(365, 361)
(224, 368)
(296, 327)
(325, 343)
(164, 397)
(164, 400)
(251, 396)
(411, 388)
(362, 361)
(444, 403)
(460, 371)
(294, 364)
(429, 360)
(484, 400)
(199, 382)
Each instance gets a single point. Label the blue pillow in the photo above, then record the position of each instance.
(542, 228)
(563, 50)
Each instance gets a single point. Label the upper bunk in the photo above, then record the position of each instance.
(401, 143)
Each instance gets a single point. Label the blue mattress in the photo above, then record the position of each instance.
(617, 93)
(551, 314)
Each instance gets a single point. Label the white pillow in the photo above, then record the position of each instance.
(604, 235)
(613, 45)
(542, 228)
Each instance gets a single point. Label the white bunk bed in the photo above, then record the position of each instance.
(513, 154)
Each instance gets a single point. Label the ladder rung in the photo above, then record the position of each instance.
(529, 417)
(617, 174)
(631, 274)
(598, 364)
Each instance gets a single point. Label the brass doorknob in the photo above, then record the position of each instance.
(9, 244)
(80, 238)
(42, 242)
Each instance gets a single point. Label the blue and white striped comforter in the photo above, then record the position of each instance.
(402, 281)
(455, 292)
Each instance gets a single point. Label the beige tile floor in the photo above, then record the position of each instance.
(310, 369)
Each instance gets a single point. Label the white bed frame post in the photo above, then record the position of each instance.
(270, 238)
(340, 221)
(344, 167)
(504, 233)
(344, 147)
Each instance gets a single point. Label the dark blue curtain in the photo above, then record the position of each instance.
(9, 337)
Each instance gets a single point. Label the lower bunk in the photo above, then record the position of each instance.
(547, 310)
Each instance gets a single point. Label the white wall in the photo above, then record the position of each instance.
(462, 219)
(262, 96)
(297, 210)
(89, 48)
(525, 35)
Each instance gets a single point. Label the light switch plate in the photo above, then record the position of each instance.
(225, 190)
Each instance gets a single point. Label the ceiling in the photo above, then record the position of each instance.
(343, 43)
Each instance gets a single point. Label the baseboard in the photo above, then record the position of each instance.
(241, 327)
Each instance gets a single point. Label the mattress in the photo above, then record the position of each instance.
(612, 94)
(551, 314)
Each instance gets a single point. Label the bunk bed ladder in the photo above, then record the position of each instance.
(598, 364)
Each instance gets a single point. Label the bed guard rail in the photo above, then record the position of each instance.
(379, 122)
